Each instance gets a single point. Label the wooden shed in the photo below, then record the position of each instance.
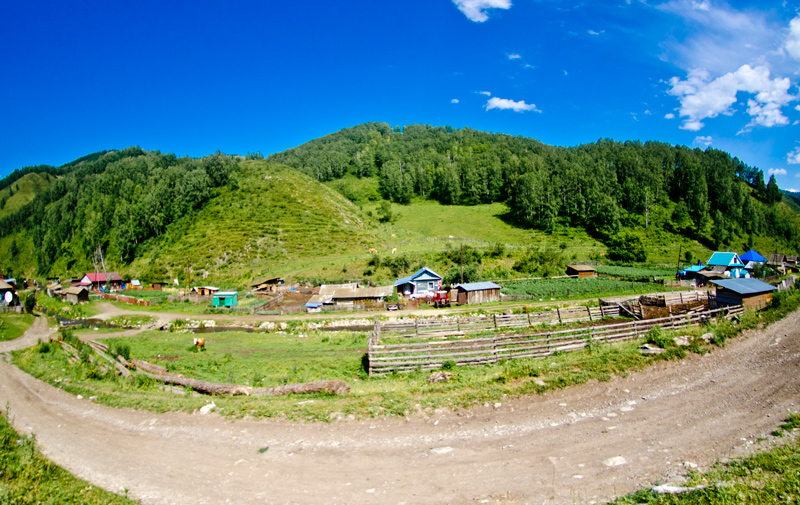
(752, 293)
(266, 286)
(581, 271)
(477, 292)
(76, 294)
(204, 290)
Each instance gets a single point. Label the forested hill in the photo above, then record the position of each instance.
(602, 186)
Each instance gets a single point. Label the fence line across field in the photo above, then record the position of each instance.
(390, 358)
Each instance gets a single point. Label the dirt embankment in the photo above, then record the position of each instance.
(583, 444)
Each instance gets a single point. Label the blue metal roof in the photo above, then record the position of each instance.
(745, 286)
(726, 259)
(752, 255)
(694, 268)
(406, 280)
(477, 286)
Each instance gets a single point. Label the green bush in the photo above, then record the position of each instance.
(448, 365)
(657, 337)
(123, 350)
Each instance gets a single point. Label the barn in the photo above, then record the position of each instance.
(263, 288)
(752, 293)
(581, 271)
(472, 293)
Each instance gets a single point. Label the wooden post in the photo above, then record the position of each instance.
(589, 310)
(416, 327)
(458, 323)
(494, 318)
(635, 330)
(529, 319)
(558, 310)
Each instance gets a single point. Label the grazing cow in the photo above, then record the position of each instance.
(200, 343)
(394, 236)
(373, 250)
(394, 250)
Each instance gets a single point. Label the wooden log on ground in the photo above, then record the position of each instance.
(205, 387)
(149, 367)
(334, 387)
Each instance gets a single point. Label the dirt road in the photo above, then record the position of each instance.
(580, 445)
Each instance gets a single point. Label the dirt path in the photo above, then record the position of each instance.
(580, 445)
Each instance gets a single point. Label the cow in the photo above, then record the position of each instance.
(200, 343)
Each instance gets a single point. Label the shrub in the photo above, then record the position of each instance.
(657, 337)
(123, 350)
(448, 364)
(44, 347)
(723, 330)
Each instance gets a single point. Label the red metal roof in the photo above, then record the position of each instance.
(104, 277)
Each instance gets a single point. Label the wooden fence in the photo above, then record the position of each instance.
(401, 358)
(436, 327)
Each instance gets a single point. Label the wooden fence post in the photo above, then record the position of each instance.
(458, 323)
(558, 310)
(494, 318)
(416, 327)
(589, 310)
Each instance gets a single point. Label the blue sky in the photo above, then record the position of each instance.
(195, 77)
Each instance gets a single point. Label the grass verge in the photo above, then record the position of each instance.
(769, 477)
(14, 325)
(28, 477)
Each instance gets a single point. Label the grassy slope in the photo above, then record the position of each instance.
(24, 191)
(279, 222)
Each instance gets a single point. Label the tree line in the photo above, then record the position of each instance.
(115, 201)
(601, 186)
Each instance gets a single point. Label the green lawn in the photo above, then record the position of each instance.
(564, 289)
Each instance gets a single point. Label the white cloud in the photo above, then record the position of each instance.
(721, 39)
(474, 9)
(505, 103)
(592, 32)
(797, 108)
(648, 113)
(528, 65)
(702, 97)
(792, 44)
(514, 56)
(669, 115)
(704, 141)
(565, 73)
(454, 100)
(487, 93)
(776, 171)
(793, 157)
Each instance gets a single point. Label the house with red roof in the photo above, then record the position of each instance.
(98, 280)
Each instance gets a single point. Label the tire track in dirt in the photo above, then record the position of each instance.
(586, 443)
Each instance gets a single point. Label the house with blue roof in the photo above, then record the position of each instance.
(729, 264)
(477, 292)
(420, 284)
(752, 293)
(752, 255)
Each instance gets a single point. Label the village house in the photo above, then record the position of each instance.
(581, 271)
(75, 294)
(727, 263)
(98, 280)
(476, 292)
(267, 286)
(751, 293)
(420, 284)
(204, 290)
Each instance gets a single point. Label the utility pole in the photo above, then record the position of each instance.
(680, 249)
(462, 262)
(188, 277)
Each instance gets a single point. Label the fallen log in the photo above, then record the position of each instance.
(335, 387)
(117, 366)
(205, 387)
(149, 367)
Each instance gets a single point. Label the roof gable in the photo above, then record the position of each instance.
(752, 255)
(423, 273)
(725, 259)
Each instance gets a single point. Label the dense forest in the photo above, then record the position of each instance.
(109, 203)
(601, 186)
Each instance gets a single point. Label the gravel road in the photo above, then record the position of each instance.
(583, 444)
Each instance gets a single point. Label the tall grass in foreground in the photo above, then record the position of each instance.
(27, 477)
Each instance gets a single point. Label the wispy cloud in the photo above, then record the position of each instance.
(776, 171)
(454, 100)
(592, 32)
(475, 9)
(702, 140)
(505, 103)
(793, 157)
(669, 115)
(792, 44)
(513, 56)
(702, 97)
(487, 93)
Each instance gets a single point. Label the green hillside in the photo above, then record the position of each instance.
(22, 191)
(373, 202)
